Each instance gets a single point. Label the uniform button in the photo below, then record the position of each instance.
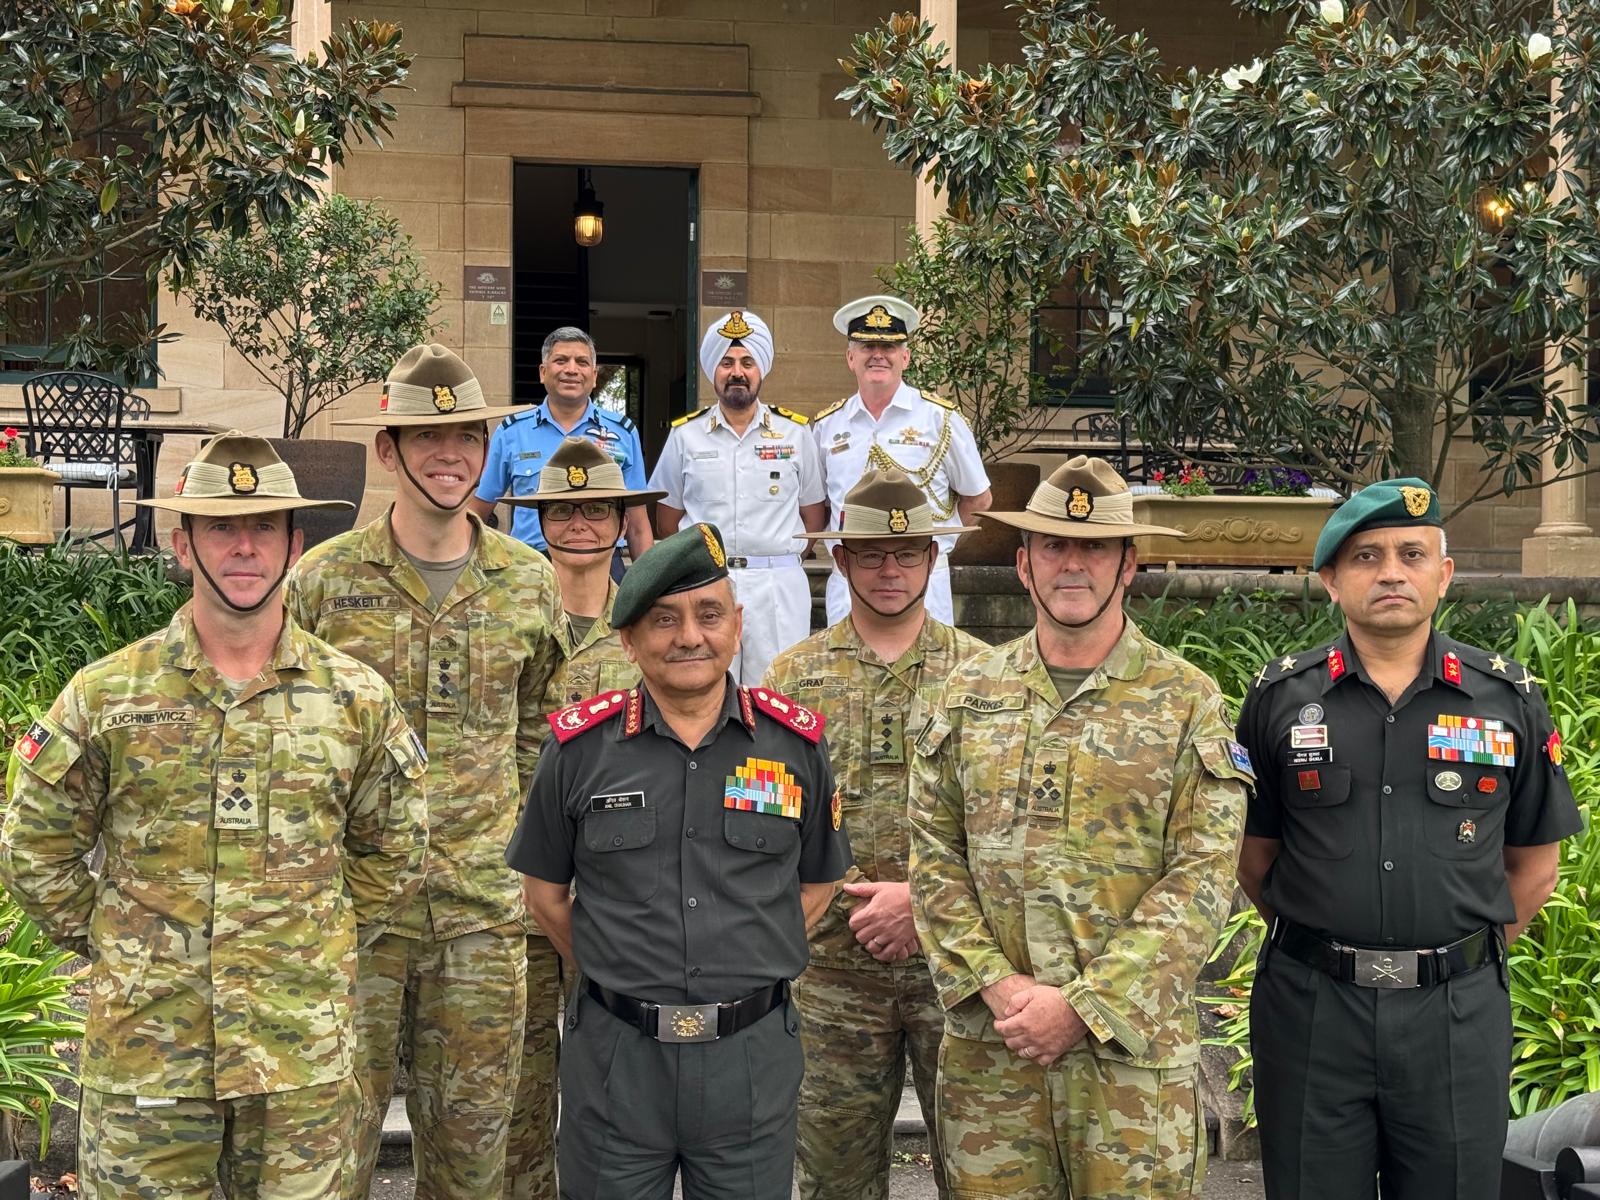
(1390, 718)
(694, 972)
(693, 766)
(760, 842)
(1387, 790)
(617, 841)
(1388, 941)
(1387, 865)
(689, 832)
(693, 903)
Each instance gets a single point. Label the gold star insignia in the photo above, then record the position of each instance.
(1286, 663)
(1497, 664)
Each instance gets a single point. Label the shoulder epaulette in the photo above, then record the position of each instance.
(1495, 666)
(687, 417)
(940, 401)
(831, 409)
(797, 418)
(625, 421)
(790, 714)
(1327, 657)
(567, 723)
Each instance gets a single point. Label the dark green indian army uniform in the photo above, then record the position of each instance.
(1380, 1015)
(681, 1047)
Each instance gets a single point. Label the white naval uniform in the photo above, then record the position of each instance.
(751, 488)
(909, 432)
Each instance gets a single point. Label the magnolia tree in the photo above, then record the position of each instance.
(1344, 254)
(131, 130)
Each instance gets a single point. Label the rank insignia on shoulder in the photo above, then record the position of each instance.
(804, 721)
(34, 740)
(1335, 663)
(1452, 667)
(567, 723)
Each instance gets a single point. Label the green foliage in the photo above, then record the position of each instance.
(11, 453)
(131, 129)
(974, 342)
(318, 303)
(35, 1013)
(1346, 258)
(1555, 964)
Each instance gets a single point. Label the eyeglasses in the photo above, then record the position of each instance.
(873, 559)
(565, 510)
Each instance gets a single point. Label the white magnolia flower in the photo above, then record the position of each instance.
(1332, 12)
(300, 121)
(1230, 79)
(1539, 47)
(1134, 217)
(1235, 77)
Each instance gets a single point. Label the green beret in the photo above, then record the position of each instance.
(690, 558)
(1387, 504)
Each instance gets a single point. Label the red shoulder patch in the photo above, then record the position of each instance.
(1452, 667)
(567, 723)
(807, 722)
(1335, 663)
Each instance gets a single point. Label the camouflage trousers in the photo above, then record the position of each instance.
(452, 1011)
(1084, 1127)
(290, 1145)
(857, 1027)
(531, 1148)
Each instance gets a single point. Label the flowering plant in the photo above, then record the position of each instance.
(11, 454)
(1189, 481)
(1275, 481)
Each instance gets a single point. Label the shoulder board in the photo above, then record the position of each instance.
(567, 723)
(939, 400)
(520, 416)
(687, 417)
(1325, 657)
(1495, 666)
(831, 409)
(619, 419)
(797, 418)
(805, 721)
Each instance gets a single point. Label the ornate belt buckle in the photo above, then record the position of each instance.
(738, 561)
(1386, 968)
(686, 1023)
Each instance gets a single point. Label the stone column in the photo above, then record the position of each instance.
(942, 13)
(1562, 543)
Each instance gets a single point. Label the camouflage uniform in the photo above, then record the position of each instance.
(222, 931)
(446, 987)
(596, 664)
(1092, 845)
(861, 1016)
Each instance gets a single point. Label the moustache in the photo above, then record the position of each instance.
(688, 656)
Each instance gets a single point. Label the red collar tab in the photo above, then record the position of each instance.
(747, 710)
(1452, 668)
(567, 723)
(806, 722)
(1335, 663)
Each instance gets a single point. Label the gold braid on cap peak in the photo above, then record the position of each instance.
(735, 327)
(922, 476)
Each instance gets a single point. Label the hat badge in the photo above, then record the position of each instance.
(1080, 504)
(898, 521)
(878, 318)
(735, 327)
(577, 476)
(718, 558)
(443, 398)
(242, 478)
(1417, 500)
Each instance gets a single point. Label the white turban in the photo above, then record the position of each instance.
(749, 330)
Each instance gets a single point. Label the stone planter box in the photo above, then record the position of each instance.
(1235, 531)
(27, 504)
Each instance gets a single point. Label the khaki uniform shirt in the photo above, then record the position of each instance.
(471, 677)
(869, 705)
(1089, 841)
(246, 839)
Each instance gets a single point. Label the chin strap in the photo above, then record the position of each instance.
(917, 599)
(394, 436)
(1099, 612)
(222, 595)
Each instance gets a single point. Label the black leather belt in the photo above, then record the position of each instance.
(691, 1022)
(1388, 967)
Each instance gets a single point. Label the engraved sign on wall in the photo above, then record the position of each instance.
(486, 283)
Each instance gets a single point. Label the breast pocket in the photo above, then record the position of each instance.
(496, 652)
(627, 864)
(307, 794)
(525, 477)
(1466, 815)
(160, 826)
(379, 637)
(1121, 792)
(767, 846)
(1316, 805)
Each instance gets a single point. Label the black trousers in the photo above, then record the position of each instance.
(634, 1111)
(1366, 1091)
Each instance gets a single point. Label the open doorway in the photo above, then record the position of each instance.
(634, 291)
